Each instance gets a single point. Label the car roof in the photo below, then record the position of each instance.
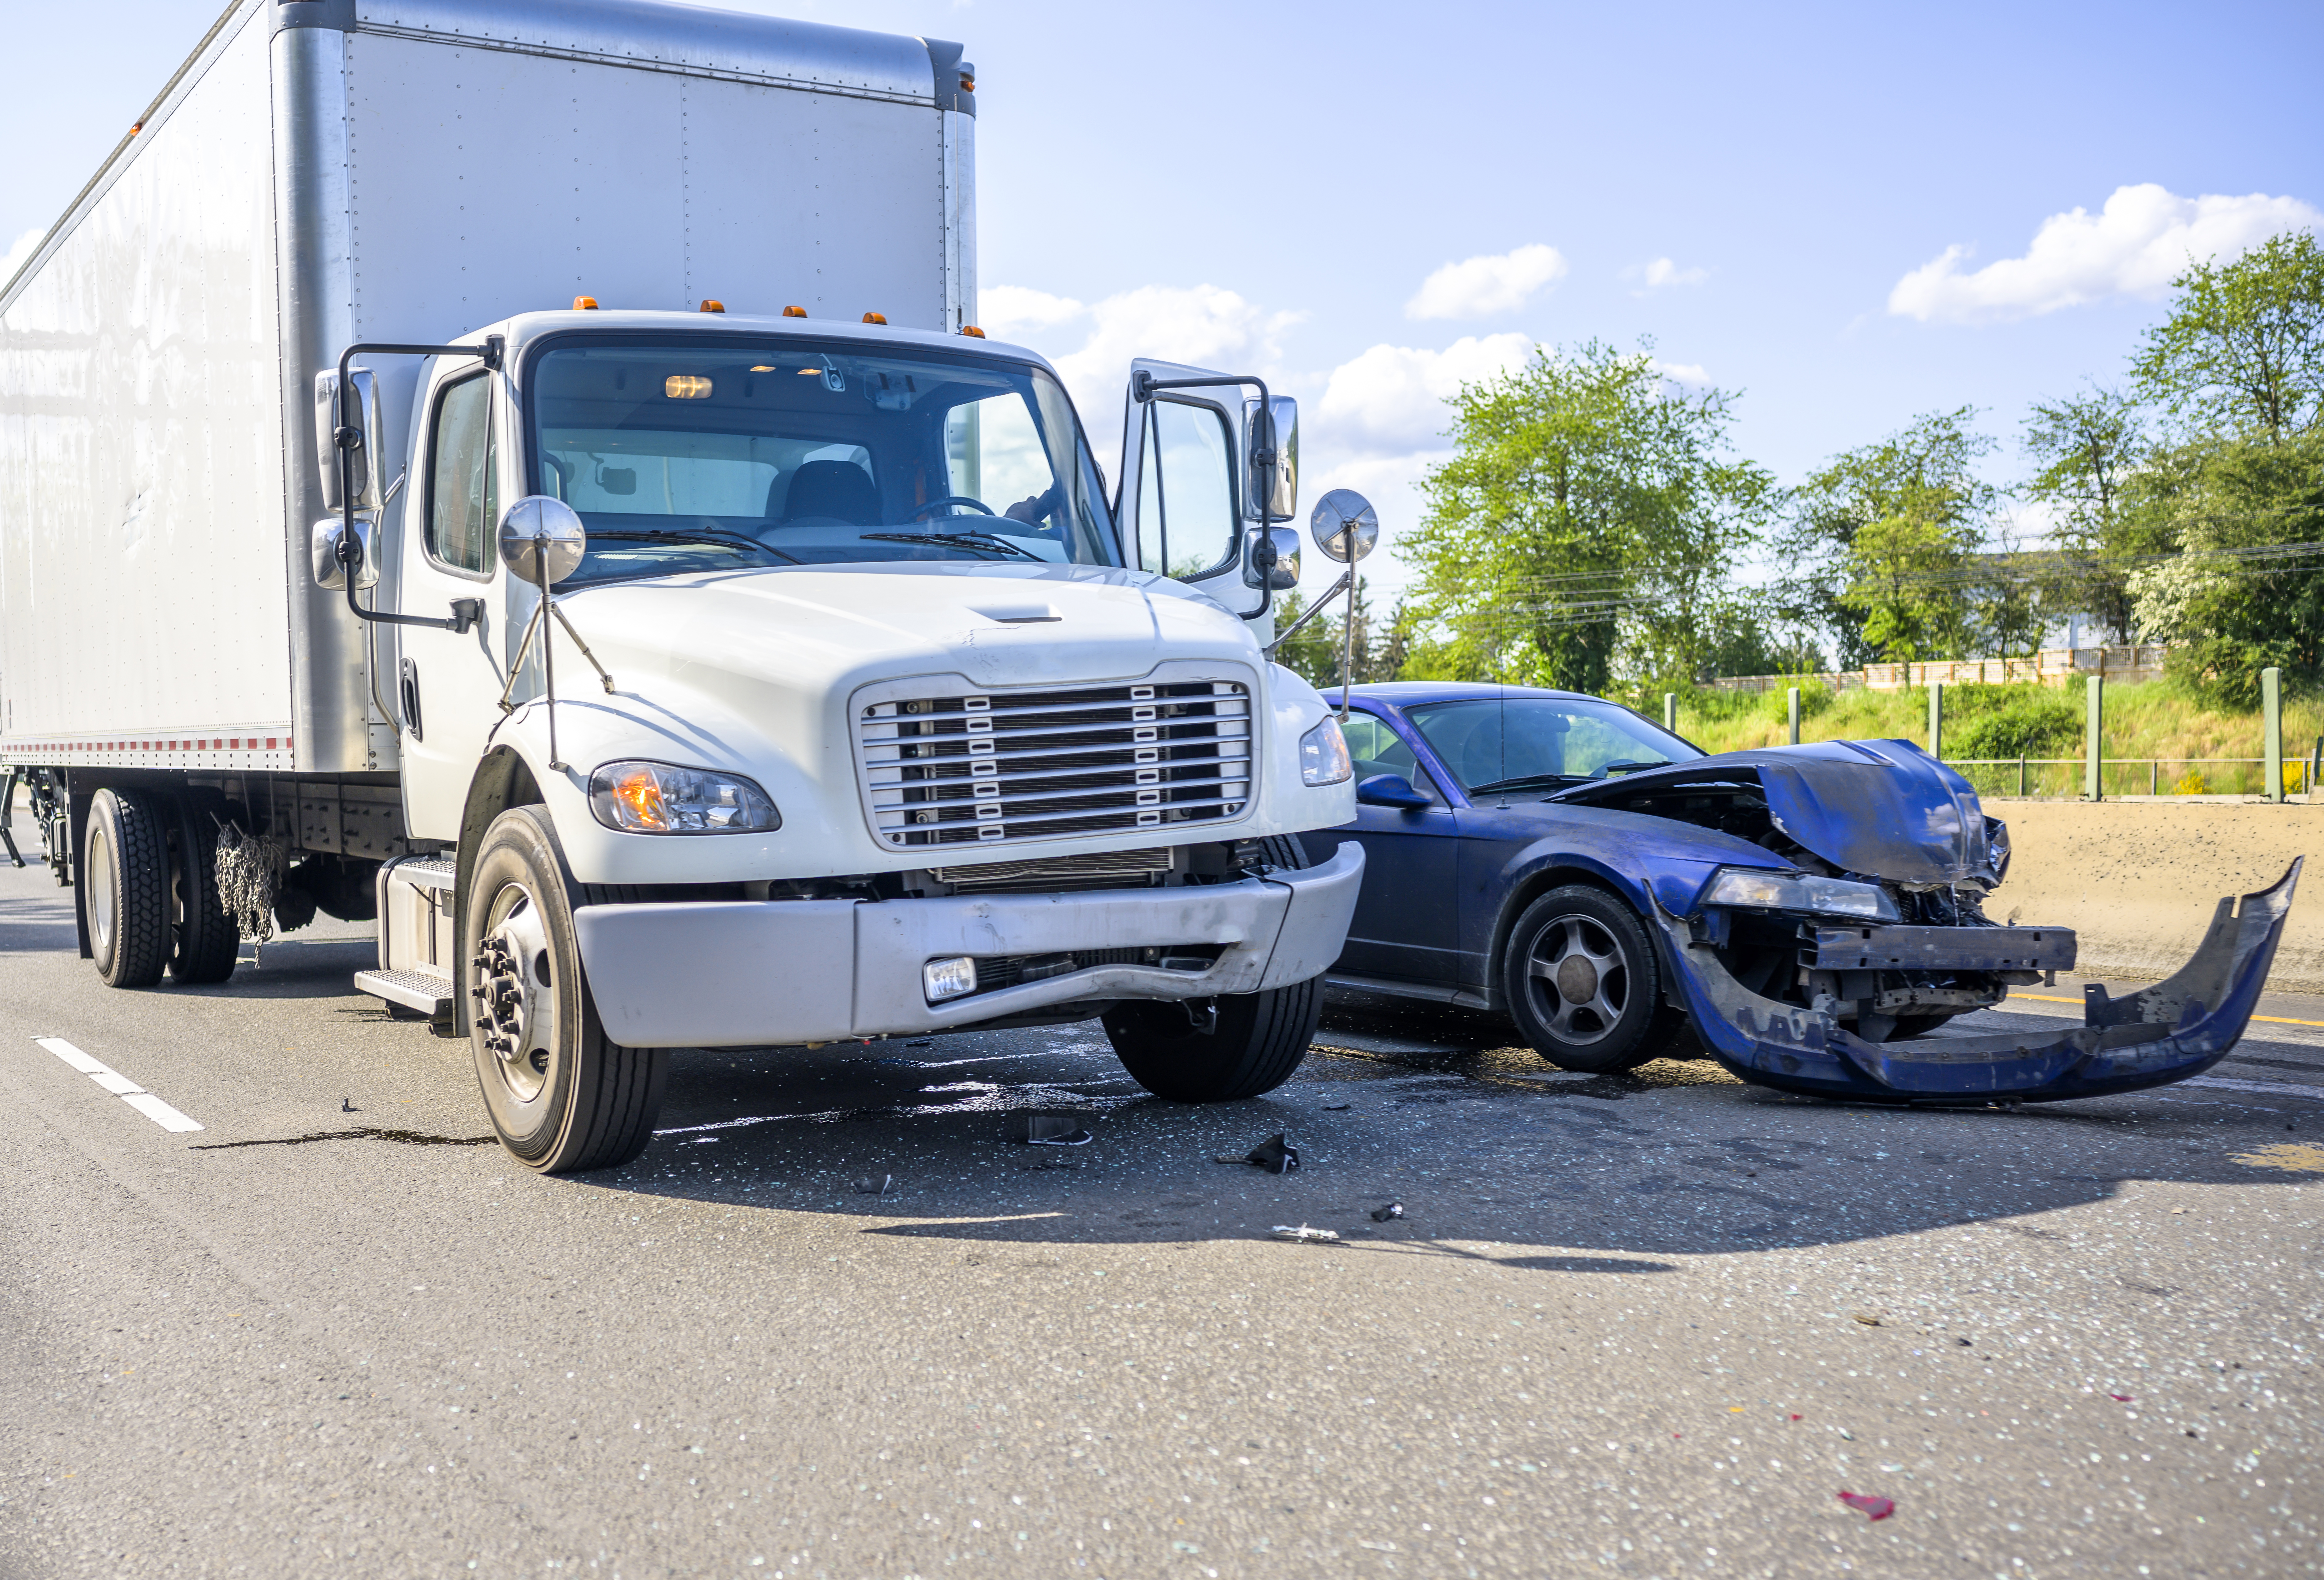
(1404, 693)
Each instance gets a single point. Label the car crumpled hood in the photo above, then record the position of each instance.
(1879, 808)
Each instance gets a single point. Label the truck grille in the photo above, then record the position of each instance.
(979, 769)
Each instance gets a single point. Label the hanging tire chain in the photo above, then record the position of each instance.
(249, 872)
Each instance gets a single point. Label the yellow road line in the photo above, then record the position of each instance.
(2274, 1020)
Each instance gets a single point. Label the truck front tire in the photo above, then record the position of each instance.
(125, 863)
(563, 1097)
(1253, 1045)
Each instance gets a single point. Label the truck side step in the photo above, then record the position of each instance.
(424, 991)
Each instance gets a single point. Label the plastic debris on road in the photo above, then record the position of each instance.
(1305, 1234)
(1394, 1210)
(875, 1185)
(1276, 1154)
(1867, 1319)
(1054, 1130)
(1871, 1507)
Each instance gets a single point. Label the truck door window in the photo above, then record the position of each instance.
(1185, 496)
(463, 484)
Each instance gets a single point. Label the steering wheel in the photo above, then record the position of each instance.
(952, 499)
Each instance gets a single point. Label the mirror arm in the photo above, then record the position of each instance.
(465, 611)
(1312, 610)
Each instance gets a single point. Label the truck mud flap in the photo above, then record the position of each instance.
(2177, 1028)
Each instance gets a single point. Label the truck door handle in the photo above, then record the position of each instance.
(409, 689)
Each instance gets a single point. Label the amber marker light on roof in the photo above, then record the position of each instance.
(685, 387)
(584, 304)
(809, 372)
(794, 312)
(712, 305)
(972, 330)
(875, 317)
(763, 369)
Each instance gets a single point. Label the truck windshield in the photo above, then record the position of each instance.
(718, 455)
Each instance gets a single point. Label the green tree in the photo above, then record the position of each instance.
(2242, 353)
(2086, 449)
(1583, 534)
(1886, 543)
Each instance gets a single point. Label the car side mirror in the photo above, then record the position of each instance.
(541, 539)
(363, 418)
(1272, 491)
(1391, 790)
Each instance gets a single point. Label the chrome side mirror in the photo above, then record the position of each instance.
(541, 539)
(363, 417)
(1274, 431)
(323, 545)
(1344, 526)
(1285, 575)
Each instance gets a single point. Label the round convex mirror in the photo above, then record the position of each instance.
(1344, 526)
(537, 527)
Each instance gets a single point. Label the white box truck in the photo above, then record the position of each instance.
(881, 713)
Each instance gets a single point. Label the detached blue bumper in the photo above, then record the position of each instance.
(2177, 1028)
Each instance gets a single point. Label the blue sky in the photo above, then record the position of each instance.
(1770, 194)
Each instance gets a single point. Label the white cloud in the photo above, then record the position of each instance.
(1662, 272)
(2132, 246)
(1476, 287)
(1092, 346)
(1691, 374)
(1007, 312)
(18, 251)
(1392, 398)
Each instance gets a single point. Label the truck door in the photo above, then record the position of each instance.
(1186, 470)
(447, 683)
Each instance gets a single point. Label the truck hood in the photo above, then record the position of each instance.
(1882, 809)
(997, 625)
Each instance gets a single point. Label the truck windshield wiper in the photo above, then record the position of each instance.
(697, 535)
(983, 540)
(1526, 782)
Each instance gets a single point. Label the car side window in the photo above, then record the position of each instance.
(1378, 748)
(463, 480)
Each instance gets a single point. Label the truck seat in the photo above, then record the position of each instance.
(836, 489)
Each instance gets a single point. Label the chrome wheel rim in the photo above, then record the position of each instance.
(1579, 980)
(100, 899)
(515, 991)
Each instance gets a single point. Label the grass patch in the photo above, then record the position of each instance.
(2157, 719)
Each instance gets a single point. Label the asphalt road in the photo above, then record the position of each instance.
(1641, 1327)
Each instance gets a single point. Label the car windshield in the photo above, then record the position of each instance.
(1508, 742)
(718, 455)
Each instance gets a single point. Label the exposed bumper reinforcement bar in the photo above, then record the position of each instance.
(2178, 1027)
(747, 973)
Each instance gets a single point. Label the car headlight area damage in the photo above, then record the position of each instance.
(1833, 977)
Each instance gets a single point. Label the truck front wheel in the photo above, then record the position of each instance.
(563, 1096)
(1241, 1045)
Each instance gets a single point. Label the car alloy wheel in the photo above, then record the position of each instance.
(1580, 979)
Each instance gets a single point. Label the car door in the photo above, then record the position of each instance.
(1406, 922)
(447, 683)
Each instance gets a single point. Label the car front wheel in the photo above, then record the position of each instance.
(1581, 981)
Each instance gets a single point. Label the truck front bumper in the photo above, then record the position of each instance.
(749, 973)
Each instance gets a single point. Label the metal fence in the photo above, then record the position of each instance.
(2068, 777)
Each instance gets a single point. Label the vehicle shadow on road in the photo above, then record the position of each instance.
(1487, 1157)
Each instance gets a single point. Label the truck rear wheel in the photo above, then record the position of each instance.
(563, 1097)
(126, 865)
(204, 941)
(1251, 1045)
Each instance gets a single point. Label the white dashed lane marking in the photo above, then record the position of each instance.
(120, 1086)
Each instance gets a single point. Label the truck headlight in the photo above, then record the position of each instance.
(1797, 891)
(1324, 755)
(655, 798)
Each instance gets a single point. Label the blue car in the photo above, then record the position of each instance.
(1811, 915)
